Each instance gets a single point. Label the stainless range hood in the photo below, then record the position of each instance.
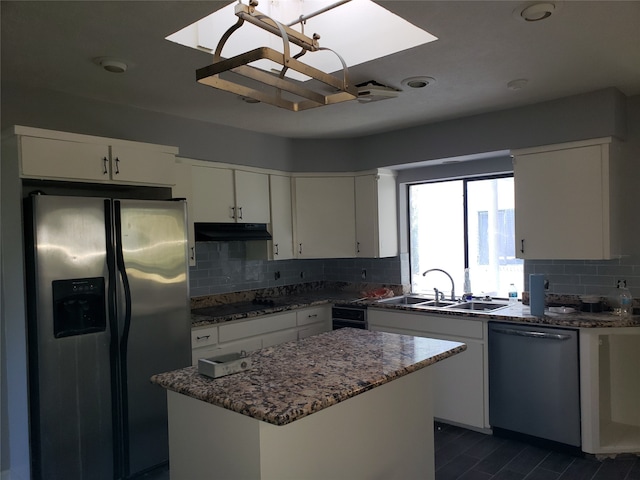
(227, 232)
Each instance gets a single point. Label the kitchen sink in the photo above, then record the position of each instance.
(404, 300)
(434, 304)
(419, 301)
(477, 306)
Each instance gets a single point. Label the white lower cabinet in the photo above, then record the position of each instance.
(313, 320)
(610, 390)
(258, 332)
(460, 383)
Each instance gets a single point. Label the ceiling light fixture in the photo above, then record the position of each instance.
(418, 82)
(111, 65)
(286, 93)
(517, 84)
(535, 12)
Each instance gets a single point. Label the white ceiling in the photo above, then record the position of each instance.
(584, 46)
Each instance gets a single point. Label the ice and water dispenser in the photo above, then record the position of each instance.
(79, 306)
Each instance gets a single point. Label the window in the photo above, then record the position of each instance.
(460, 224)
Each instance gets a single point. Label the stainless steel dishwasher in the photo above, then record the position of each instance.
(534, 382)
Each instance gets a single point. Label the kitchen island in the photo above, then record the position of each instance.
(344, 404)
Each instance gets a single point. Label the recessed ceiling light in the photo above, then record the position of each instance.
(517, 84)
(418, 82)
(111, 65)
(534, 12)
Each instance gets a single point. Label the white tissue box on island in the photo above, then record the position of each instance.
(224, 364)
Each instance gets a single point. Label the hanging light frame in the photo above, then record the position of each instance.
(210, 75)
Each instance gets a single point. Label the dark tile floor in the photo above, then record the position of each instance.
(467, 455)
(158, 474)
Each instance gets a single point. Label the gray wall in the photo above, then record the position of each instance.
(198, 140)
(591, 115)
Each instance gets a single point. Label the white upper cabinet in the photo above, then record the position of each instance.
(325, 217)
(252, 197)
(46, 154)
(213, 194)
(376, 215)
(566, 201)
(281, 217)
(139, 166)
(228, 195)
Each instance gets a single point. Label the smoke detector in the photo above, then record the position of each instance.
(373, 91)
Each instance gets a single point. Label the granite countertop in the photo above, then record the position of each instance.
(289, 381)
(522, 314)
(204, 314)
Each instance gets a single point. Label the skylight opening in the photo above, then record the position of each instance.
(359, 31)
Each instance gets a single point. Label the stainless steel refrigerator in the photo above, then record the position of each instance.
(108, 307)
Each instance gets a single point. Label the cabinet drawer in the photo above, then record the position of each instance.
(201, 337)
(259, 326)
(307, 316)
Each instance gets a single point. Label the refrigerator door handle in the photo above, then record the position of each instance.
(123, 275)
(114, 344)
(124, 339)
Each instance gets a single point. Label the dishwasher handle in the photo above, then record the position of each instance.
(532, 334)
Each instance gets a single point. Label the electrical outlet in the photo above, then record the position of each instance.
(363, 274)
(277, 275)
(301, 274)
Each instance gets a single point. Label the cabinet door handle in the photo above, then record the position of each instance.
(117, 165)
(239, 213)
(203, 337)
(300, 249)
(193, 253)
(357, 247)
(522, 246)
(312, 315)
(277, 250)
(232, 212)
(105, 162)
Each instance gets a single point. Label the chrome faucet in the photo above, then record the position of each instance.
(453, 288)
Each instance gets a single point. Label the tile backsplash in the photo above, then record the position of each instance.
(224, 267)
(587, 277)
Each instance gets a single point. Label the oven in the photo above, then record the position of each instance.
(349, 315)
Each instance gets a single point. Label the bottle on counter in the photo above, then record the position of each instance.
(625, 300)
(467, 286)
(513, 294)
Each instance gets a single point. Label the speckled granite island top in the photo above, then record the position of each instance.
(292, 380)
